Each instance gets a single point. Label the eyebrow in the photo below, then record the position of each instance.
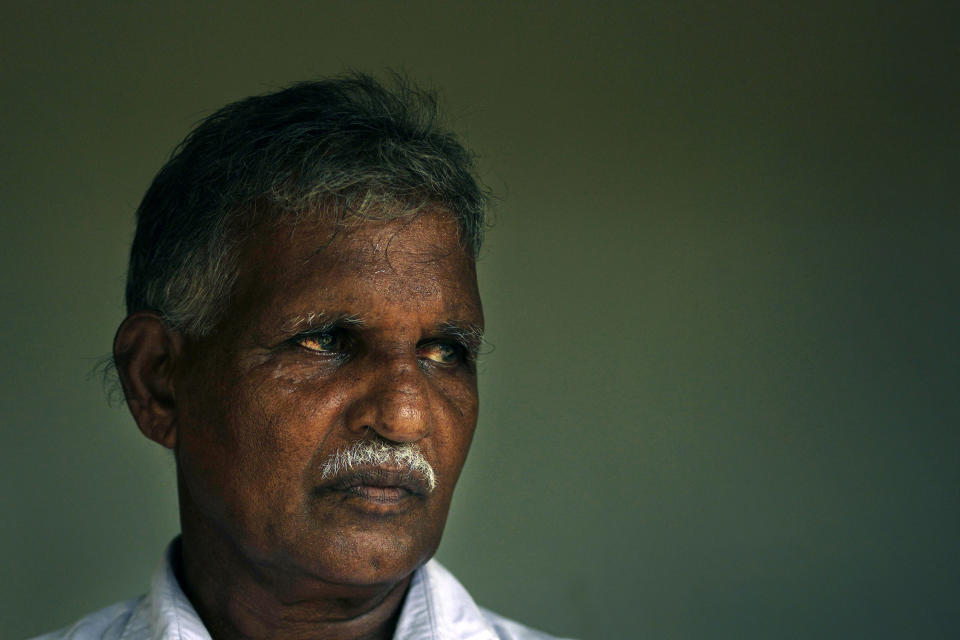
(320, 320)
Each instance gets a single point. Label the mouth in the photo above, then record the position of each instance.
(377, 486)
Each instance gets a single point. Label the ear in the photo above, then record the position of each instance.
(146, 350)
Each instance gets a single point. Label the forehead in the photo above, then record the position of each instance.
(366, 267)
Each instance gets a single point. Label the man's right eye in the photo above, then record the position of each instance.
(322, 341)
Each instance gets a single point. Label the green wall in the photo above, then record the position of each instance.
(722, 291)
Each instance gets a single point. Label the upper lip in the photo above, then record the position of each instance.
(379, 476)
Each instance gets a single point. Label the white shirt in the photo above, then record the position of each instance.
(437, 607)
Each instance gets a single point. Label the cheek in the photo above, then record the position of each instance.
(286, 422)
(459, 399)
(256, 448)
(455, 427)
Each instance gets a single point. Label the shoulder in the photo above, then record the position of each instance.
(507, 629)
(108, 623)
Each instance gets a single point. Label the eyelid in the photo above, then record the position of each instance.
(317, 322)
(340, 335)
(465, 351)
(470, 351)
(464, 354)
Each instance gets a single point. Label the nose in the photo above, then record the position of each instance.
(395, 403)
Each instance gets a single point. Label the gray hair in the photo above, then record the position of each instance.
(379, 452)
(346, 147)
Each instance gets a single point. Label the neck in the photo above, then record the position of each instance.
(237, 598)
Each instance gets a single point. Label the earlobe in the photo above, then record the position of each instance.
(145, 350)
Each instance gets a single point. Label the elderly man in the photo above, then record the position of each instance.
(303, 329)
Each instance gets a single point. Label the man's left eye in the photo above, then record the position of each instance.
(439, 352)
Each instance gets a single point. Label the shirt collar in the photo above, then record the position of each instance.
(170, 614)
(437, 607)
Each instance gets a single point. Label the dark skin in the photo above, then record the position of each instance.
(329, 338)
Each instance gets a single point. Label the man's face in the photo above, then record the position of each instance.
(332, 338)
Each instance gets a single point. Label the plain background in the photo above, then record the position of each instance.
(722, 293)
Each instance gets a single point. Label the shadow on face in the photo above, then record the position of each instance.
(331, 340)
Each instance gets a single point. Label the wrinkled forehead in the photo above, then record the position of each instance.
(265, 220)
(370, 246)
(411, 258)
(265, 217)
(364, 242)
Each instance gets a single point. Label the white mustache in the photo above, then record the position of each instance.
(375, 453)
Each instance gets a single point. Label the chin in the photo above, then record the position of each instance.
(362, 557)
